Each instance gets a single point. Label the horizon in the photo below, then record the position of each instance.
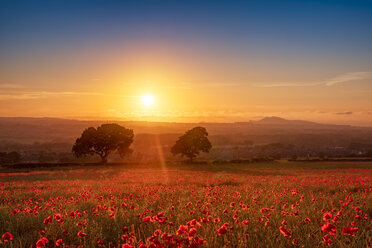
(113, 119)
(187, 61)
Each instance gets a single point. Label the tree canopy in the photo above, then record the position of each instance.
(103, 141)
(192, 143)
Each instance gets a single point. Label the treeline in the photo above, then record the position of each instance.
(117, 142)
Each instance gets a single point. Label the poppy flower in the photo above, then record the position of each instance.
(327, 216)
(327, 240)
(81, 234)
(59, 242)
(182, 229)
(7, 237)
(350, 231)
(42, 242)
(284, 232)
(222, 230)
(192, 232)
(146, 219)
(328, 227)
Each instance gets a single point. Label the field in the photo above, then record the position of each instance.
(225, 205)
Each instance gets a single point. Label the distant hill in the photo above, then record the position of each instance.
(269, 129)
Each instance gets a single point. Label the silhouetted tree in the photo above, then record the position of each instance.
(9, 158)
(104, 140)
(192, 142)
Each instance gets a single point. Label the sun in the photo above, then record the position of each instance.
(147, 100)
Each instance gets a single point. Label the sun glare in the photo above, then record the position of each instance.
(147, 100)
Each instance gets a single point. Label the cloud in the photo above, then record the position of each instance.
(344, 113)
(351, 76)
(45, 94)
(347, 77)
(287, 85)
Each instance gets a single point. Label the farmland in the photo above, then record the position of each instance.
(201, 205)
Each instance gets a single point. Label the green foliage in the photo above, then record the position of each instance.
(192, 143)
(104, 140)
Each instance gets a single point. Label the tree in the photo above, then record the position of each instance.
(192, 142)
(104, 140)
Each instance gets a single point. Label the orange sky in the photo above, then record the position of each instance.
(207, 72)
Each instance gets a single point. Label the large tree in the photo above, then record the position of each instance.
(192, 143)
(104, 140)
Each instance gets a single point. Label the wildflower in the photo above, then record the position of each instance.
(146, 219)
(222, 230)
(42, 242)
(7, 237)
(285, 232)
(81, 234)
(327, 240)
(192, 232)
(327, 216)
(350, 231)
(328, 227)
(59, 242)
(182, 229)
(295, 241)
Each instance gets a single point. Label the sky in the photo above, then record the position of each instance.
(201, 61)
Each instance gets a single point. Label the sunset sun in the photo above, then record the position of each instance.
(147, 100)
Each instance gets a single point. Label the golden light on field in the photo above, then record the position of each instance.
(147, 100)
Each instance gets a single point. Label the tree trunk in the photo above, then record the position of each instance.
(103, 159)
(191, 158)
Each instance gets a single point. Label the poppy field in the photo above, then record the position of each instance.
(202, 206)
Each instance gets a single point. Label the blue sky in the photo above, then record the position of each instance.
(49, 46)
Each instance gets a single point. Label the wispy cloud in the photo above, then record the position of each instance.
(287, 85)
(45, 94)
(344, 113)
(347, 77)
(351, 76)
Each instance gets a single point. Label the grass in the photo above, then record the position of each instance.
(250, 199)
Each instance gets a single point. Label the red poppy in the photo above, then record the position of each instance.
(327, 240)
(285, 232)
(192, 232)
(7, 237)
(350, 231)
(327, 216)
(328, 227)
(182, 229)
(42, 242)
(146, 219)
(222, 230)
(81, 234)
(59, 242)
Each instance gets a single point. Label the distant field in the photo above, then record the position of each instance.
(276, 204)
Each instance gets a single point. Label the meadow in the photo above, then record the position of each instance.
(277, 204)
